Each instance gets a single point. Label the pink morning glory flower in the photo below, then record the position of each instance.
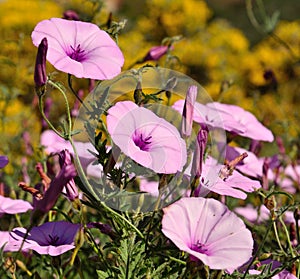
(52, 238)
(3, 161)
(208, 231)
(211, 117)
(251, 165)
(235, 185)
(79, 48)
(253, 128)
(146, 138)
(11, 206)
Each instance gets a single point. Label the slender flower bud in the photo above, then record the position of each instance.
(199, 153)
(155, 53)
(188, 111)
(70, 15)
(40, 75)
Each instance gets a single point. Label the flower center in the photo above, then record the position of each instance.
(53, 240)
(199, 247)
(142, 141)
(77, 54)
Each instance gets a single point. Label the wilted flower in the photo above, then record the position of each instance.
(52, 238)
(208, 231)
(146, 138)
(11, 206)
(79, 48)
(3, 161)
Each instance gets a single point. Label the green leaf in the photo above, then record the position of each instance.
(102, 274)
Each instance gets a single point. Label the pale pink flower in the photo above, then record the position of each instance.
(235, 185)
(146, 138)
(252, 214)
(79, 48)
(13, 206)
(211, 117)
(208, 231)
(253, 128)
(251, 165)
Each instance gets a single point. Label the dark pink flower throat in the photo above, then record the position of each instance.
(142, 141)
(77, 54)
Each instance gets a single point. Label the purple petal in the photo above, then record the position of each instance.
(3, 161)
(206, 229)
(10, 206)
(53, 238)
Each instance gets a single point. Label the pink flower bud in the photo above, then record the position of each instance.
(188, 111)
(155, 53)
(199, 153)
(40, 75)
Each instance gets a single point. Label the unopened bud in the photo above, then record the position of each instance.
(40, 75)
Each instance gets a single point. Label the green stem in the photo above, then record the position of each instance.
(258, 250)
(287, 236)
(91, 191)
(41, 108)
(67, 107)
(277, 238)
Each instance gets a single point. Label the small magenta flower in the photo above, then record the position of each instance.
(146, 138)
(11, 206)
(3, 161)
(155, 53)
(79, 48)
(52, 238)
(40, 74)
(188, 111)
(208, 231)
